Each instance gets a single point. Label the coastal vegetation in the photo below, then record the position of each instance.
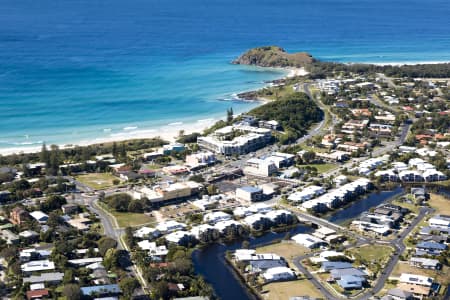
(274, 56)
(295, 112)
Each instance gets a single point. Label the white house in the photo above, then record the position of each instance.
(260, 167)
(308, 241)
(217, 216)
(256, 220)
(147, 233)
(39, 216)
(440, 221)
(170, 226)
(198, 230)
(278, 273)
(224, 226)
(154, 250)
(37, 266)
(179, 237)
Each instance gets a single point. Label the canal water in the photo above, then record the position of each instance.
(210, 261)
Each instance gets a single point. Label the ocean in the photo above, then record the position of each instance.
(74, 71)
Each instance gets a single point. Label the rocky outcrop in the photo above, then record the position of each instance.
(274, 56)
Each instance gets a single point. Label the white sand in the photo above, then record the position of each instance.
(168, 133)
(293, 72)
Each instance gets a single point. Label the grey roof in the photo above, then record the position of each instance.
(267, 264)
(100, 289)
(396, 292)
(45, 277)
(346, 272)
(331, 265)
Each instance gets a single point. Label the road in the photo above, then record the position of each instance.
(397, 244)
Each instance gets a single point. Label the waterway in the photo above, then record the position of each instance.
(210, 261)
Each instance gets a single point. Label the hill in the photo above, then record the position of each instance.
(274, 56)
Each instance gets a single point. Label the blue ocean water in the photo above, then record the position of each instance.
(76, 70)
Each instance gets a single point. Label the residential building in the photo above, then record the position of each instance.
(18, 215)
(180, 237)
(419, 285)
(147, 233)
(308, 241)
(101, 290)
(425, 263)
(351, 282)
(37, 266)
(202, 158)
(398, 294)
(439, 221)
(217, 216)
(39, 216)
(170, 226)
(257, 221)
(278, 273)
(50, 278)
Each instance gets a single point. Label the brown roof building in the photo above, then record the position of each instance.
(18, 215)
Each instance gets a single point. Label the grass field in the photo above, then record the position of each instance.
(322, 168)
(97, 180)
(285, 290)
(413, 208)
(125, 219)
(128, 219)
(372, 253)
(440, 203)
(287, 250)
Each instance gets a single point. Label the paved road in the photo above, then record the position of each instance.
(381, 280)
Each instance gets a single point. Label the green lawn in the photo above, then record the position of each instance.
(440, 203)
(285, 290)
(413, 208)
(128, 219)
(97, 180)
(370, 254)
(322, 168)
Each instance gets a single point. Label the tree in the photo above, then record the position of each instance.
(135, 206)
(106, 243)
(229, 115)
(44, 156)
(309, 156)
(114, 149)
(72, 291)
(212, 189)
(128, 285)
(111, 259)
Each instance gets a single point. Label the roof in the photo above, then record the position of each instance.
(396, 292)
(416, 279)
(44, 277)
(350, 281)
(251, 189)
(37, 294)
(432, 245)
(330, 265)
(101, 289)
(347, 272)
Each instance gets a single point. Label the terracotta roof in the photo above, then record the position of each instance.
(37, 294)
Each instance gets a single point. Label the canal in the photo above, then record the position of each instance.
(210, 261)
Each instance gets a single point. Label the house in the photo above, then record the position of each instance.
(327, 266)
(228, 226)
(280, 216)
(217, 216)
(323, 232)
(18, 215)
(85, 261)
(419, 285)
(80, 223)
(337, 274)
(257, 221)
(306, 194)
(278, 273)
(29, 235)
(258, 266)
(50, 278)
(351, 282)
(425, 263)
(249, 193)
(308, 241)
(101, 290)
(205, 232)
(281, 160)
(180, 237)
(33, 254)
(430, 248)
(147, 233)
(203, 158)
(37, 266)
(398, 294)
(10, 237)
(439, 221)
(37, 294)
(170, 226)
(69, 208)
(154, 251)
(39, 216)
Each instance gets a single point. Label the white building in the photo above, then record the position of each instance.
(37, 266)
(170, 226)
(306, 194)
(278, 273)
(224, 226)
(39, 216)
(308, 241)
(147, 232)
(201, 158)
(179, 237)
(260, 167)
(439, 221)
(217, 216)
(154, 251)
